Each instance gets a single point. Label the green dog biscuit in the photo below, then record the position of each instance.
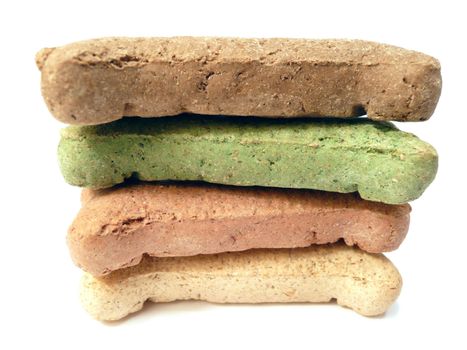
(376, 159)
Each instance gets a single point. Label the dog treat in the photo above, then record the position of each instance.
(366, 283)
(117, 226)
(374, 158)
(98, 81)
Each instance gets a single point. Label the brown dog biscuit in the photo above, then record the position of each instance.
(366, 283)
(116, 226)
(97, 81)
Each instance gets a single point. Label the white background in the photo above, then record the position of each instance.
(39, 284)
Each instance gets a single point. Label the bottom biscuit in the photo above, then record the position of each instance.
(366, 283)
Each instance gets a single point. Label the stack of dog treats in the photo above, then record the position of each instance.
(267, 191)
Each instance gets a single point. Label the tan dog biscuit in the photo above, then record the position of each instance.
(117, 226)
(98, 81)
(367, 283)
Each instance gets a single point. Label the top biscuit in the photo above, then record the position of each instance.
(98, 81)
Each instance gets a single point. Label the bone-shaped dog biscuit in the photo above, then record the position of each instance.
(366, 283)
(116, 226)
(98, 81)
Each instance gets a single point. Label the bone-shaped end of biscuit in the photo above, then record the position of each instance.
(366, 283)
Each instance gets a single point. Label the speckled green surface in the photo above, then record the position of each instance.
(374, 158)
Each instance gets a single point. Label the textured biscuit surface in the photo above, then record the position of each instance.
(97, 81)
(374, 158)
(367, 283)
(117, 226)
